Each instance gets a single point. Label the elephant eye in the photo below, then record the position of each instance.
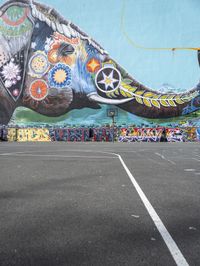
(65, 49)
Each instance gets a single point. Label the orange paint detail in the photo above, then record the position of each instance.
(60, 76)
(53, 52)
(38, 90)
(68, 60)
(93, 65)
(61, 38)
(52, 56)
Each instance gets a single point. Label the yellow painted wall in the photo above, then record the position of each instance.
(33, 134)
(12, 134)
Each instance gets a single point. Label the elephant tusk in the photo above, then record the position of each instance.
(95, 97)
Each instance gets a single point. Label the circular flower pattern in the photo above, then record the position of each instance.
(38, 89)
(108, 79)
(60, 76)
(11, 73)
(38, 64)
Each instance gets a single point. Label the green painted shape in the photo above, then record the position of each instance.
(14, 13)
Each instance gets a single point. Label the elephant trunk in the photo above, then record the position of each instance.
(138, 99)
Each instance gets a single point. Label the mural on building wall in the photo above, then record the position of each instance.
(69, 134)
(36, 134)
(154, 134)
(11, 134)
(198, 134)
(140, 134)
(48, 65)
(3, 133)
(28, 134)
(129, 134)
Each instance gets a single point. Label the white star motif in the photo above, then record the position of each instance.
(48, 43)
(108, 81)
(11, 71)
(33, 45)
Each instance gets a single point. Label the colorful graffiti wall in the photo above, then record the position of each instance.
(155, 134)
(101, 134)
(140, 134)
(198, 134)
(52, 72)
(28, 134)
(69, 134)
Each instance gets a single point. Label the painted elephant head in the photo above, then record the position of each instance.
(50, 66)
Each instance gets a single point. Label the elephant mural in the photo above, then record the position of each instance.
(49, 65)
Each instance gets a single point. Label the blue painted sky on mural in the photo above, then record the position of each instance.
(151, 23)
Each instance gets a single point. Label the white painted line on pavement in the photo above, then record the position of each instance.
(56, 156)
(124, 151)
(14, 153)
(198, 160)
(189, 170)
(172, 246)
(48, 151)
(163, 157)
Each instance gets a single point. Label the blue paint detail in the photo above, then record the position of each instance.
(82, 81)
(59, 85)
(193, 106)
(91, 51)
(40, 33)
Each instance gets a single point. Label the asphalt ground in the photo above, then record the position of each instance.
(99, 204)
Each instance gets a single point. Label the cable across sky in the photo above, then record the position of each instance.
(136, 45)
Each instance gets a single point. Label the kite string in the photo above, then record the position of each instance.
(148, 48)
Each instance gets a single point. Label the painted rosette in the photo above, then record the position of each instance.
(38, 64)
(38, 90)
(60, 76)
(108, 79)
(93, 65)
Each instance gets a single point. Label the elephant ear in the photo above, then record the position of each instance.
(16, 26)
